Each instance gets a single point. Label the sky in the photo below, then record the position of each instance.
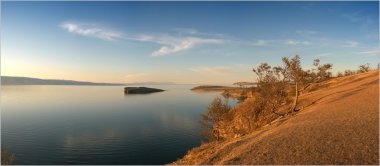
(181, 42)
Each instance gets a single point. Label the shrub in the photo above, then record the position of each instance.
(340, 74)
(272, 89)
(322, 70)
(7, 158)
(349, 72)
(215, 112)
(364, 68)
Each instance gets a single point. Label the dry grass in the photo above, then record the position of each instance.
(338, 124)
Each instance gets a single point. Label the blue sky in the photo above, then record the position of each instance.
(183, 42)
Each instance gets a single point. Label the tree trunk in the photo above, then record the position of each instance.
(274, 111)
(295, 99)
(249, 121)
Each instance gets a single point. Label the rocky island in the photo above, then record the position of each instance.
(141, 90)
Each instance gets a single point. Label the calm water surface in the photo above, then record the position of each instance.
(99, 124)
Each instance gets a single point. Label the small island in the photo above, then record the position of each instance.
(212, 88)
(141, 90)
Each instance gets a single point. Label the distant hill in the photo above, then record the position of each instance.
(10, 80)
(151, 83)
(212, 88)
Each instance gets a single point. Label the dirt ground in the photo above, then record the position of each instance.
(338, 124)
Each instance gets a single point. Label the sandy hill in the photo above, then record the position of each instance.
(338, 124)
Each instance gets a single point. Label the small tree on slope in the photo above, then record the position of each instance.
(216, 110)
(295, 73)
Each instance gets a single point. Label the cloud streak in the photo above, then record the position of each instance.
(351, 44)
(305, 32)
(326, 54)
(95, 32)
(372, 52)
(297, 42)
(169, 44)
(174, 44)
(261, 42)
(187, 31)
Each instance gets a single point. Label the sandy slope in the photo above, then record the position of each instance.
(339, 124)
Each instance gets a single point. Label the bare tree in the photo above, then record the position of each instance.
(364, 68)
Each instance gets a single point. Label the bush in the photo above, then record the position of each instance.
(322, 70)
(215, 112)
(340, 74)
(272, 89)
(364, 68)
(7, 158)
(349, 72)
(276, 94)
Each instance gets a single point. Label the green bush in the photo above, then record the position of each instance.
(7, 158)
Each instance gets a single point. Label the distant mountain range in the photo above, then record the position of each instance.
(151, 83)
(11, 80)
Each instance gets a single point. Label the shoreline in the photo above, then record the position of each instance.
(316, 130)
(227, 91)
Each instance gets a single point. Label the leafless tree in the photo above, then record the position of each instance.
(364, 68)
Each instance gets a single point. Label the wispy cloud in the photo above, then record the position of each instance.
(261, 42)
(306, 32)
(353, 17)
(170, 44)
(190, 31)
(372, 52)
(174, 44)
(91, 31)
(325, 54)
(212, 69)
(297, 42)
(351, 44)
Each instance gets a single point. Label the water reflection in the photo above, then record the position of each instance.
(100, 125)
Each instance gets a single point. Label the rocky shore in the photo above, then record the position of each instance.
(234, 92)
(238, 93)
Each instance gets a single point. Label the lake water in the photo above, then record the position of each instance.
(99, 124)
